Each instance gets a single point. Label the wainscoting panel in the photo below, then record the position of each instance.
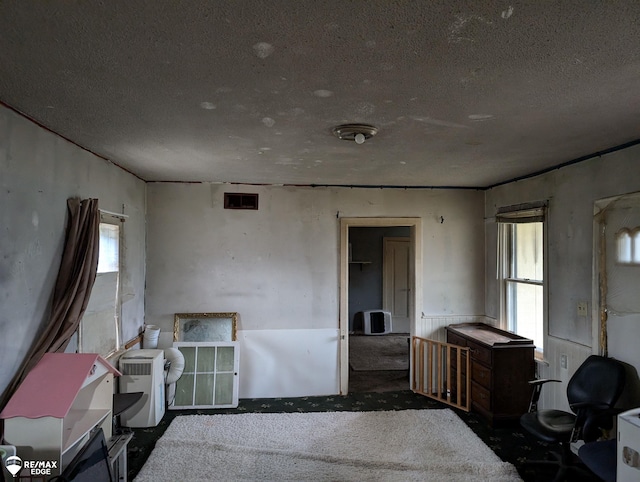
(554, 395)
(288, 363)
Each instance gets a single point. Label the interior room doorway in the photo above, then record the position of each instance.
(348, 261)
(616, 305)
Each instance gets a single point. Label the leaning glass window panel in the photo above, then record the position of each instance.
(210, 377)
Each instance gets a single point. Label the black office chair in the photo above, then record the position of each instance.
(592, 393)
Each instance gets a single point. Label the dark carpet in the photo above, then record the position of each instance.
(510, 443)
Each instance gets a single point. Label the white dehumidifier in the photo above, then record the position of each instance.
(377, 322)
(143, 371)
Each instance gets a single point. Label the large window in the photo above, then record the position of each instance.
(522, 272)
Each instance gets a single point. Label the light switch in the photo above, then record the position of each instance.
(564, 363)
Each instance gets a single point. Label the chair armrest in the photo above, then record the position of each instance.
(542, 381)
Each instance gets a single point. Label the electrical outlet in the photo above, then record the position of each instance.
(564, 363)
(583, 307)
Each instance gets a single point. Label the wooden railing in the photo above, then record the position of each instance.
(441, 371)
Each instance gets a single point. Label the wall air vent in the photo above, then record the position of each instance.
(238, 200)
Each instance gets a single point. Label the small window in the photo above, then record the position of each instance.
(236, 200)
(100, 326)
(628, 246)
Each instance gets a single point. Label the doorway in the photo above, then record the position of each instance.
(616, 306)
(414, 279)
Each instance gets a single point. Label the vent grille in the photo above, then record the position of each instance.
(135, 368)
(239, 200)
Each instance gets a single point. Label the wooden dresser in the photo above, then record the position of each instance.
(502, 363)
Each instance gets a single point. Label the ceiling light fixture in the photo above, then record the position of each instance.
(355, 132)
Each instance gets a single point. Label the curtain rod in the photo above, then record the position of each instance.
(117, 215)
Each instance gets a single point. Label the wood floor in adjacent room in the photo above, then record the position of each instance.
(393, 349)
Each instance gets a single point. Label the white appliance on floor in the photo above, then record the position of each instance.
(143, 371)
(628, 466)
(377, 322)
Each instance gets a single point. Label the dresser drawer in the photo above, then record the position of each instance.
(479, 353)
(481, 374)
(481, 396)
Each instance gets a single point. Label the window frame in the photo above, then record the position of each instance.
(116, 220)
(507, 217)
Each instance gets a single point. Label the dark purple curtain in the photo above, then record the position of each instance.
(73, 287)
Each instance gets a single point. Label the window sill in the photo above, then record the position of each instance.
(541, 360)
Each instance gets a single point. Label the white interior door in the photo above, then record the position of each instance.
(620, 278)
(396, 285)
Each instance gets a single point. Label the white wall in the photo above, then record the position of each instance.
(278, 267)
(39, 171)
(571, 192)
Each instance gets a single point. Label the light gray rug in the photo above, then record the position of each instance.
(378, 352)
(406, 445)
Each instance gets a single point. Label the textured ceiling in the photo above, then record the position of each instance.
(466, 94)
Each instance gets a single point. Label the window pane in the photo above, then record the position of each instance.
(525, 311)
(636, 247)
(226, 359)
(624, 247)
(526, 251)
(184, 390)
(204, 389)
(189, 354)
(206, 359)
(109, 246)
(224, 389)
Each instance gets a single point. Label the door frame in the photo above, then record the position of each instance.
(599, 326)
(415, 280)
